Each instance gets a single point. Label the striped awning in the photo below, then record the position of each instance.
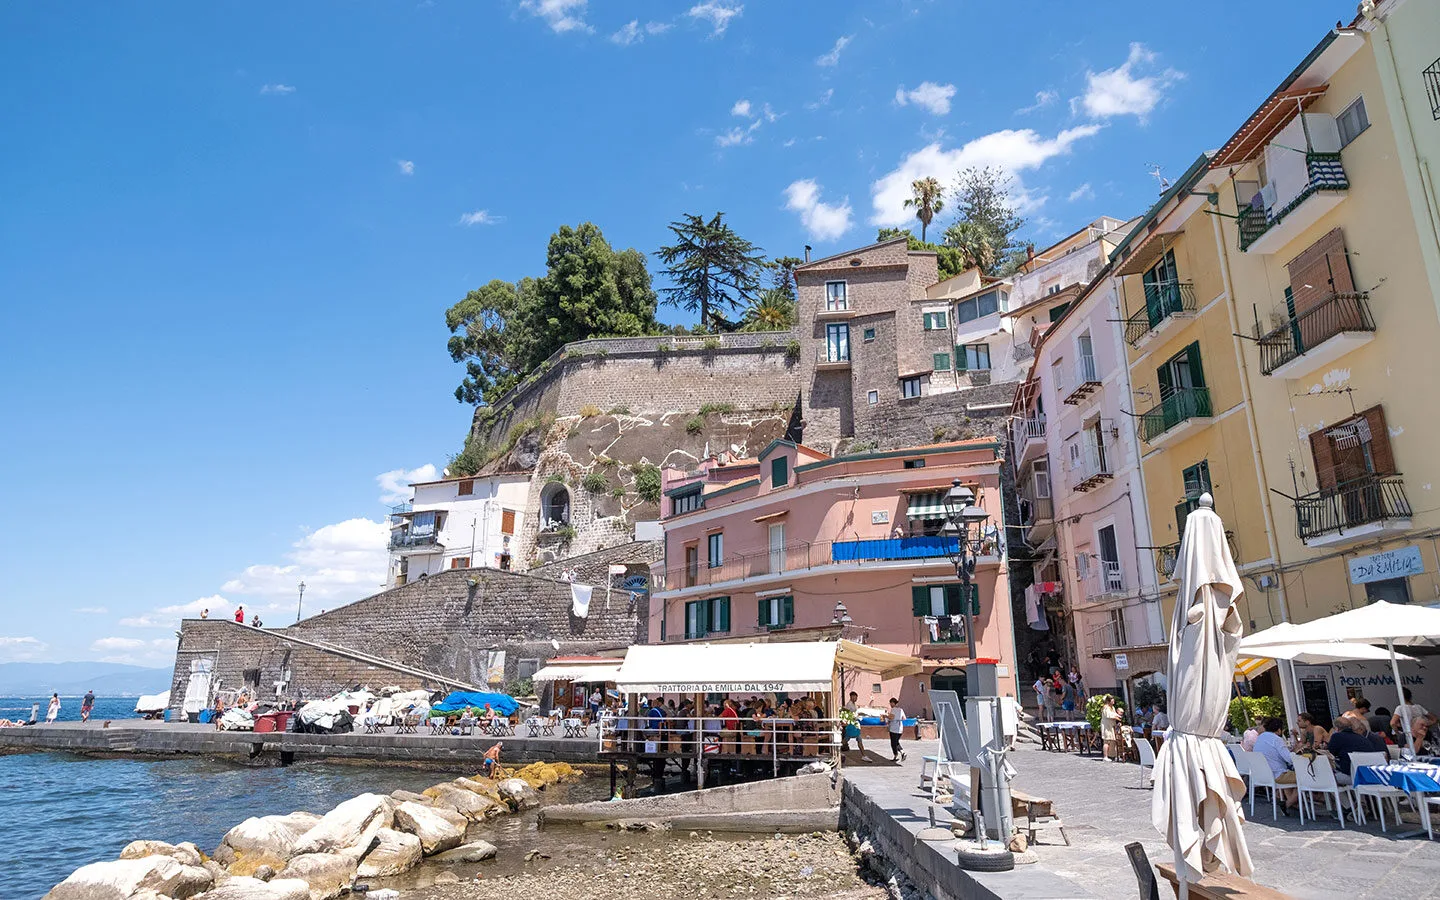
(926, 506)
(1248, 667)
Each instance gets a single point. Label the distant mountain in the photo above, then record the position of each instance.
(25, 679)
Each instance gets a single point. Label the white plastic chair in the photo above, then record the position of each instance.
(1242, 762)
(1378, 792)
(1147, 760)
(1318, 777)
(1260, 777)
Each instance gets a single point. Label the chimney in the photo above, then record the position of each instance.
(807, 253)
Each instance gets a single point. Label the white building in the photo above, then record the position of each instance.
(457, 523)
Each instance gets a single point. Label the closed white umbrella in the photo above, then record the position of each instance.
(1197, 788)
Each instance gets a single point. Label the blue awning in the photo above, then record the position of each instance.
(936, 547)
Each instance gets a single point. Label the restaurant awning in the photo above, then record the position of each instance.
(930, 505)
(1248, 667)
(751, 668)
(580, 673)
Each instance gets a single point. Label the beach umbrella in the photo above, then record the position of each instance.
(1197, 788)
(1381, 622)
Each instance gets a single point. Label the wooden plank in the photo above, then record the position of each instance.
(1219, 886)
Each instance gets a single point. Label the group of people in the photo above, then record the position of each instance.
(1059, 695)
(240, 616)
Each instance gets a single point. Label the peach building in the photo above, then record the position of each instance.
(769, 548)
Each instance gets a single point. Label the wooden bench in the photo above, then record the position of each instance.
(1219, 886)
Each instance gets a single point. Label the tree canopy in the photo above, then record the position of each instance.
(926, 200)
(949, 260)
(982, 198)
(713, 271)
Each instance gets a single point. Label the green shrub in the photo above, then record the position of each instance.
(792, 351)
(1093, 706)
(861, 447)
(566, 533)
(709, 408)
(938, 433)
(520, 687)
(1148, 693)
(695, 425)
(619, 411)
(555, 478)
(617, 492)
(647, 482)
(767, 344)
(662, 348)
(1246, 711)
(711, 344)
(595, 482)
(589, 410)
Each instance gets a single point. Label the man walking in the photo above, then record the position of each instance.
(86, 705)
(896, 718)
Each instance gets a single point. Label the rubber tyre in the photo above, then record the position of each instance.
(974, 859)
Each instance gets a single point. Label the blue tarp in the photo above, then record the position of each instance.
(894, 548)
(876, 720)
(504, 704)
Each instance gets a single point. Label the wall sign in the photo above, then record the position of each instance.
(879, 516)
(1400, 563)
(1122, 662)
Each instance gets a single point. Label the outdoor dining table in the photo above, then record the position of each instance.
(1077, 735)
(1414, 778)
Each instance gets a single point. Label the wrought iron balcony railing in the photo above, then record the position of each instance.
(1336, 314)
(1326, 172)
(1351, 504)
(1180, 406)
(1162, 300)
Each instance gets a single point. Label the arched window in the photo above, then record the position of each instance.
(554, 507)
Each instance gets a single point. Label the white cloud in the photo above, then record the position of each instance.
(480, 217)
(734, 137)
(789, 143)
(717, 13)
(770, 114)
(741, 108)
(277, 89)
(1042, 100)
(170, 616)
(1122, 91)
(632, 32)
(133, 651)
(93, 610)
(657, 27)
(560, 15)
(823, 101)
(344, 561)
(406, 166)
(13, 649)
(929, 96)
(395, 484)
(833, 57)
(824, 221)
(1083, 192)
(1010, 149)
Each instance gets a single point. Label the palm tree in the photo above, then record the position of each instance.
(773, 311)
(926, 201)
(973, 243)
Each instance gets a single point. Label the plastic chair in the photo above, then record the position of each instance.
(1147, 760)
(1318, 777)
(1378, 792)
(1260, 777)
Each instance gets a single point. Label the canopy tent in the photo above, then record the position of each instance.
(1315, 654)
(579, 672)
(752, 668)
(504, 704)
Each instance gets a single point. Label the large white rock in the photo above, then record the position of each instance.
(474, 851)
(123, 878)
(394, 852)
(271, 835)
(351, 826)
(473, 806)
(255, 889)
(437, 828)
(328, 874)
(518, 794)
(186, 854)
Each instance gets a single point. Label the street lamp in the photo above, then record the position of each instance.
(842, 615)
(960, 513)
(301, 602)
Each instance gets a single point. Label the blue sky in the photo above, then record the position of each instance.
(228, 232)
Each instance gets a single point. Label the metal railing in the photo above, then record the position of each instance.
(1326, 173)
(401, 509)
(1163, 299)
(1026, 430)
(1104, 579)
(943, 629)
(1181, 405)
(1110, 636)
(832, 354)
(401, 539)
(1336, 314)
(1359, 501)
(804, 555)
(776, 739)
(1094, 462)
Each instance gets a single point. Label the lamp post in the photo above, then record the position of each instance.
(960, 513)
(301, 602)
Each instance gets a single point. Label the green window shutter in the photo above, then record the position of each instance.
(1167, 383)
(787, 611)
(761, 614)
(974, 599)
(920, 600)
(941, 361)
(960, 362)
(954, 603)
(1197, 372)
(663, 617)
(722, 614)
(779, 471)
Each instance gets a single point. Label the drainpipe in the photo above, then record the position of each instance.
(1286, 691)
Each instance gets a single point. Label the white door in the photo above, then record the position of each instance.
(777, 547)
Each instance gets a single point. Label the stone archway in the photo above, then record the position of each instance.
(554, 507)
(949, 679)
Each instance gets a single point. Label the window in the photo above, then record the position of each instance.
(527, 668)
(715, 549)
(1197, 479)
(1057, 311)
(835, 299)
(943, 599)
(465, 488)
(934, 321)
(1183, 373)
(992, 301)
(1052, 288)
(914, 463)
(1117, 627)
(687, 502)
(709, 616)
(1393, 590)
(1352, 121)
(941, 361)
(692, 565)
(776, 612)
(869, 335)
(779, 471)
(972, 357)
(1352, 453)
(837, 342)
(507, 521)
(460, 562)
(873, 397)
(911, 387)
(1042, 478)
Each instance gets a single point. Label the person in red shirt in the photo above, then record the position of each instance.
(240, 614)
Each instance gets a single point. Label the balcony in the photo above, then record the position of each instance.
(1315, 338)
(1086, 381)
(943, 629)
(1183, 410)
(409, 539)
(832, 356)
(1029, 437)
(916, 550)
(401, 509)
(1167, 556)
(1093, 464)
(1268, 230)
(1166, 302)
(1362, 507)
(1104, 581)
(1037, 516)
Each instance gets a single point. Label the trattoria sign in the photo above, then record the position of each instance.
(724, 687)
(1400, 563)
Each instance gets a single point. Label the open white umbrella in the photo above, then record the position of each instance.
(1321, 654)
(1197, 788)
(1380, 622)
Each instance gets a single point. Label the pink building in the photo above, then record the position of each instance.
(767, 548)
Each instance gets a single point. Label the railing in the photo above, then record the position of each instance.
(1336, 314)
(1168, 555)
(1022, 351)
(1179, 406)
(1326, 173)
(832, 354)
(401, 509)
(1026, 430)
(804, 555)
(1359, 501)
(1163, 299)
(1034, 510)
(1094, 463)
(1109, 636)
(1081, 381)
(776, 739)
(399, 540)
(943, 629)
(1105, 579)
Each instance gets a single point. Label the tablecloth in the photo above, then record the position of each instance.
(1408, 777)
